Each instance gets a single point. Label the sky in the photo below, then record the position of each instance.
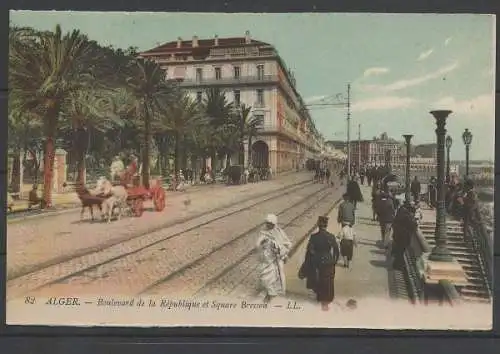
(400, 66)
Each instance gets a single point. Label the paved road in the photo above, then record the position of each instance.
(176, 265)
(368, 275)
(43, 241)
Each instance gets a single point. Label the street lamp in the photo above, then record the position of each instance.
(448, 143)
(440, 253)
(407, 174)
(467, 138)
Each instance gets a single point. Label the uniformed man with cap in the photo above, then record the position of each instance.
(319, 264)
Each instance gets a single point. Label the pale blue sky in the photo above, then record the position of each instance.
(400, 66)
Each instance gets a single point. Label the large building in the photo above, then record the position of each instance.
(252, 73)
(376, 151)
(426, 150)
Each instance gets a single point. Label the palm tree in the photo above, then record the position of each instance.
(44, 69)
(88, 111)
(250, 126)
(219, 112)
(147, 85)
(182, 119)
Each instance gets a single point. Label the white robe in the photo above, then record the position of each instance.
(117, 167)
(273, 247)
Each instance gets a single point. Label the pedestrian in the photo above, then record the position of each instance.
(347, 243)
(404, 228)
(415, 189)
(362, 174)
(328, 175)
(385, 214)
(375, 199)
(346, 214)
(273, 246)
(354, 192)
(470, 209)
(116, 169)
(419, 215)
(319, 264)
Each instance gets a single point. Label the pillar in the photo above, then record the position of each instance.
(246, 161)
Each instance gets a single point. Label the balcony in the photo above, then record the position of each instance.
(239, 81)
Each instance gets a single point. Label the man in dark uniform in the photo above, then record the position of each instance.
(319, 265)
(404, 228)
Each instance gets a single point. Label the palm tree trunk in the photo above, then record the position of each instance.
(50, 125)
(249, 162)
(15, 182)
(177, 153)
(48, 169)
(145, 151)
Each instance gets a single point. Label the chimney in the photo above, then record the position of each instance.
(216, 40)
(179, 42)
(247, 37)
(195, 41)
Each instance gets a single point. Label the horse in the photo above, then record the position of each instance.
(116, 197)
(88, 200)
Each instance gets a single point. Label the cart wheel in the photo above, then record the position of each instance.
(159, 199)
(138, 207)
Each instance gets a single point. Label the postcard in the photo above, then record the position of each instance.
(250, 170)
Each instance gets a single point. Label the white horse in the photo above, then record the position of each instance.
(117, 197)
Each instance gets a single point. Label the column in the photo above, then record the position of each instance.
(246, 161)
(60, 170)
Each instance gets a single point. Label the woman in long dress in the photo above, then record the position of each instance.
(273, 246)
(319, 264)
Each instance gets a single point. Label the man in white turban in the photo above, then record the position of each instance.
(273, 246)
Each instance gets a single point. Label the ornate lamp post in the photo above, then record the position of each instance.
(440, 252)
(407, 174)
(467, 138)
(448, 143)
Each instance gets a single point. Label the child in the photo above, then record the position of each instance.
(418, 213)
(347, 242)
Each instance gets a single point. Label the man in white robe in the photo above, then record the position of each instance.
(117, 168)
(273, 246)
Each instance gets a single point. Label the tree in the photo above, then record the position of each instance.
(147, 85)
(183, 120)
(250, 125)
(219, 112)
(44, 69)
(88, 111)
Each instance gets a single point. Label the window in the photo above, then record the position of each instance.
(237, 72)
(199, 74)
(259, 118)
(237, 97)
(260, 97)
(199, 96)
(218, 74)
(260, 71)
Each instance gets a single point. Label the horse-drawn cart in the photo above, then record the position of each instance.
(138, 194)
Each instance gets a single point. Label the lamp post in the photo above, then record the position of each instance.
(448, 143)
(467, 138)
(440, 253)
(407, 174)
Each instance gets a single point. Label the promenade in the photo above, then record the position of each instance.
(368, 275)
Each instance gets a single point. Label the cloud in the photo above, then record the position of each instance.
(425, 55)
(447, 41)
(375, 71)
(483, 105)
(383, 103)
(405, 83)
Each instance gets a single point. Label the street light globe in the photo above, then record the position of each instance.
(467, 137)
(448, 142)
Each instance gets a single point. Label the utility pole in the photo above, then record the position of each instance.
(359, 147)
(348, 131)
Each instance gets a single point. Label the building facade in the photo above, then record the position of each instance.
(376, 151)
(252, 73)
(426, 150)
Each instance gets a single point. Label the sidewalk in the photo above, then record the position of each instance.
(368, 274)
(67, 202)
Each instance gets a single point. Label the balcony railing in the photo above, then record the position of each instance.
(242, 80)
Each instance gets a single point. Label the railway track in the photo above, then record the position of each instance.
(116, 263)
(224, 263)
(188, 222)
(241, 277)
